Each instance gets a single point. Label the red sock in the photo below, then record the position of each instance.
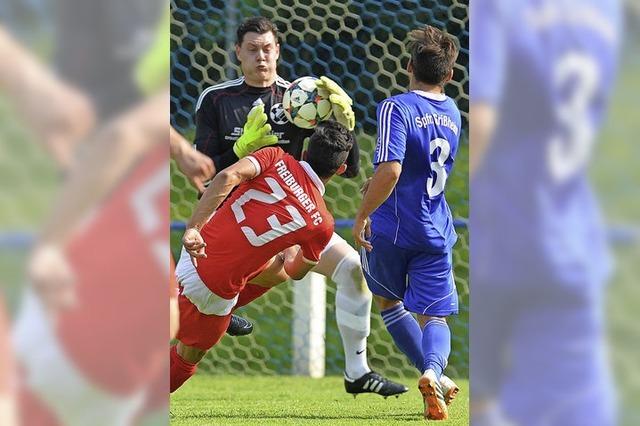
(249, 293)
(180, 370)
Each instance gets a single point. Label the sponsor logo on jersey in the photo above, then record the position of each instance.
(237, 132)
(281, 140)
(277, 114)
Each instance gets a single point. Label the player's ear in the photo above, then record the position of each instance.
(277, 50)
(341, 169)
(238, 52)
(410, 67)
(449, 77)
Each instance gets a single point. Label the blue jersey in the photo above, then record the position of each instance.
(548, 68)
(420, 130)
(538, 246)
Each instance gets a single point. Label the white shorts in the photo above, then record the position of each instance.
(194, 289)
(335, 239)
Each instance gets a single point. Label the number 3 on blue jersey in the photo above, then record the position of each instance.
(438, 177)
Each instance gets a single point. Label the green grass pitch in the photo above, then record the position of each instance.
(287, 400)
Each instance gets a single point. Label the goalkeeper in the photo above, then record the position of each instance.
(239, 116)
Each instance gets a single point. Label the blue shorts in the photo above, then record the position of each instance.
(423, 281)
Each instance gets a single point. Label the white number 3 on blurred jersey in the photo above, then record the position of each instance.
(570, 147)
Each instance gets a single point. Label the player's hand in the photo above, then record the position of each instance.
(340, 102)
(197, 167)
(255, 134)
(63, 127)
(52, 278)
(361, 231)
(194, 245)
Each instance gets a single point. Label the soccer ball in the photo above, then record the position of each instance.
(304, 104)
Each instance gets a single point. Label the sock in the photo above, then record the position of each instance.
(249, 293)
(406, 333)
(436, 345)
(179, 370)
(353, 314)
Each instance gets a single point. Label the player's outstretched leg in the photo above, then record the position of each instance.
(353, 307)
(373, 382)
(341, 263)
(239, 326)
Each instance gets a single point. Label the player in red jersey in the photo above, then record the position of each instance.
(96, 306)
(278, 205)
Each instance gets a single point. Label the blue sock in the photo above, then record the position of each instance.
(436, 345)
(406, 333)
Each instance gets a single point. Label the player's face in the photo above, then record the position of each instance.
(258, 55)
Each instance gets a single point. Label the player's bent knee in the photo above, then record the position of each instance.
(189, 353)
(423, 320)
(349, 272)
(383, 303)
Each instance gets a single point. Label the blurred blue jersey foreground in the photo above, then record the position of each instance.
(542, 74)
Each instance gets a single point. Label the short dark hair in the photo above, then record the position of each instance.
(256, 24)
(433, 54)
(329, 147)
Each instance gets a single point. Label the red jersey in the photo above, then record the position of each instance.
(117, 333)
(111, 345)
(279, 208)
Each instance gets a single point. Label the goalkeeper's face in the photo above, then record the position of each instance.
(258, 55)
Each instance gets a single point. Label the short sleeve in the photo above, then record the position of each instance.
(392, 134)
(265, 157)
(313, 247)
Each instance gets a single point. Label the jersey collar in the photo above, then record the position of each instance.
(314, 177)
(433, 96)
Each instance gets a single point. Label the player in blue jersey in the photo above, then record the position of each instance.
(407, 261)
(542, 72)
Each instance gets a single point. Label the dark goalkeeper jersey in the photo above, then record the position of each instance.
(221, 113)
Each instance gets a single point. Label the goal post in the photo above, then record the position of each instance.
(309, 325)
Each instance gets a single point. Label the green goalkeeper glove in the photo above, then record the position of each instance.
(256, 133)
(340, 102)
